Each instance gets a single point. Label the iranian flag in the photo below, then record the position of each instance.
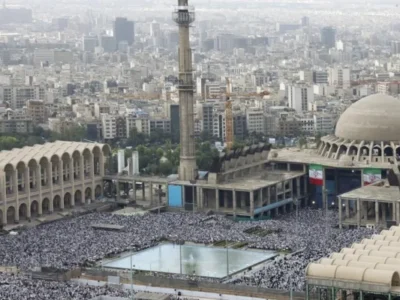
(371, 176)
(316, 174)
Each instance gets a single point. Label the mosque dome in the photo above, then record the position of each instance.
(373, 118)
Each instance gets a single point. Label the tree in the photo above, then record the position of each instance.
(9, 142)
(136, 138)
(205, 155)
(74, 133)
(166, 168)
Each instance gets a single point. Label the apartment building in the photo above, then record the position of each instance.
(299, 96)
(37, 111)
(61, 124)
(339, 77)
(255, 121)
(17, 95)
(109, 126)
(15, 122)
(324, 123)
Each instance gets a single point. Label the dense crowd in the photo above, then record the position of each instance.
(20, 287)
(315, 234)
(73, 242)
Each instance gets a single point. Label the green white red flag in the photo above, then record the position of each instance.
(316, 174)
(371, 176)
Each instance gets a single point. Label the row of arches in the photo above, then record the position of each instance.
(35, 174)
(23, 212)
(359, 152)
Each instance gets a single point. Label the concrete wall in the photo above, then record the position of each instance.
(229, 289)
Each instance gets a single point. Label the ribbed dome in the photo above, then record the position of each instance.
(373, 118)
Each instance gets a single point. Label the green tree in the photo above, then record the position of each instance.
(136, 138)
(74, 133)
(9, 142)
(166, 168)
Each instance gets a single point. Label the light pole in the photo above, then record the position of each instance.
(325, 192)
(227, 259)
(193, 182)
(132, 294)
(180, 257)
(296, 202)
(159, 198)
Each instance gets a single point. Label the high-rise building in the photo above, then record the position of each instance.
(299, 96)
(305, 21)
(328, 37)
(124, 30)
(339, 77)
(395, 47)
(207, 117)
(255, 121)
(108, 43)
(155, 29)
(89, 43)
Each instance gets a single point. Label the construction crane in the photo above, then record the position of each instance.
(228, 117)
(228, 124)
(229, 134)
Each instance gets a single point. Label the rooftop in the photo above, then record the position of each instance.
(249, 183)
(374, 193)
(310, 156)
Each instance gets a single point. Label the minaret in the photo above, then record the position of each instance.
(184, 16)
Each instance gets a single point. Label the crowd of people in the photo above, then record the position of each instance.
(21, 287)
(315, 234)
(73, 242)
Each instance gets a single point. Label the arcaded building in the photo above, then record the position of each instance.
(47, 178)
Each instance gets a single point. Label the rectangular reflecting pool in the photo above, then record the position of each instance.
(192, 260)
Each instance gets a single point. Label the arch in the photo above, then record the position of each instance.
(66, 159)
(342, 150)
(43, 164)
(23, 211)
(87, 162)
(55, 166)
(353, 150)
(96, 159)
(9, 172)
(364, 151)
(67, 200)
(78, 197)
(97, 191)
(46, 205)
(106, 150)
(107, 153)
(328, 147)
(88, 195)
(334, 149)
(57, 203)
(76, 158)
(11, 215)
(34, 208)
(376, 150)
(21, 167)
(33, 166)
(388, 151)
